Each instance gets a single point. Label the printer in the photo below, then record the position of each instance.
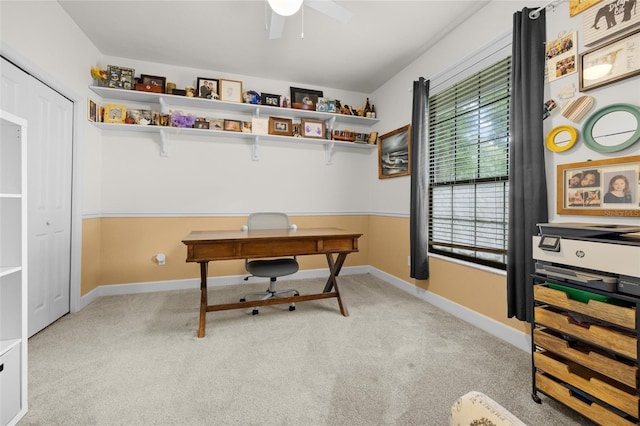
(604, 257)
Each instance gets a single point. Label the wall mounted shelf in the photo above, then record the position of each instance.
(166, 102)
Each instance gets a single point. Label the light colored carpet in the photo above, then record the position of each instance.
(396, 360)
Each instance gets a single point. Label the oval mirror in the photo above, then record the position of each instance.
(561, 138)
(612, 128)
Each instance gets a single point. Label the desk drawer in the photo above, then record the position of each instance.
(622, 343)
(594, 384)
(593, 411)
(591, 358)
(619, 315)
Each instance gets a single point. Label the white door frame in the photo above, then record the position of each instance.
(76, 203)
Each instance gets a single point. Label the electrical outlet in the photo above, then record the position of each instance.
(408, 260)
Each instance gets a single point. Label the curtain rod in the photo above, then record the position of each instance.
(551, 5)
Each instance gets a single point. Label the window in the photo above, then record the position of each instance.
(469, 167)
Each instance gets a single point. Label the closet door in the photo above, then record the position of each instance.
(50, 118)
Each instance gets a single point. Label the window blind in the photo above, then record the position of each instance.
(469, 167)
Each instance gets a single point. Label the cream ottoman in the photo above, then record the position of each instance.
(477, 409)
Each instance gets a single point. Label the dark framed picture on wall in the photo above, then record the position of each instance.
(394, 153)
(609, 187)
(207, 88)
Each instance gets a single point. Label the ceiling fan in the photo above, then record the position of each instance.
(280, 9)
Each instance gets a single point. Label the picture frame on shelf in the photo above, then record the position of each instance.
(115, 113)
(216, 123)
(120, 77)
(231, 90)
(246, 127)
(139, 116)
(270, 99)
(587, 187)
(154, 81)
(305, 98)
(280, 126)
(233, 125)
(332, 106)
(92, 110)
(610, 62)
(201, 124)
(311, 128)
(207, 88)
(373, 138)
(394, 153)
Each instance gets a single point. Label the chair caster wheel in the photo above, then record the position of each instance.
(255, 312)
(243, 300)
(292, 308)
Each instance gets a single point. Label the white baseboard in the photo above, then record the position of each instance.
(508, 334)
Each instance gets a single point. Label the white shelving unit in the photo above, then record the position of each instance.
(167, 102)
(13, 269)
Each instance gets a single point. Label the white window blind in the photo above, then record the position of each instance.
(469, 168)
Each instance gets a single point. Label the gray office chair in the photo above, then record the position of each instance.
(270, 268)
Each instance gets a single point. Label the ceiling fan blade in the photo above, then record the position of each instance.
(276, 27)
(331, 9)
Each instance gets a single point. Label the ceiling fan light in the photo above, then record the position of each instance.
(596, 71)
(285, 7)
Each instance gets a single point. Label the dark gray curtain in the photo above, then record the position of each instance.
(419, 232)
(527, 183)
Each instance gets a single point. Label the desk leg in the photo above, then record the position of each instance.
(204, 266)
(332, 281)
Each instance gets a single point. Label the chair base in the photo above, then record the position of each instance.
(270, 293)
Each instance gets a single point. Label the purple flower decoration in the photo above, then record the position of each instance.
(180, 120)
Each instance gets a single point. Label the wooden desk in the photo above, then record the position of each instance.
(206, 246)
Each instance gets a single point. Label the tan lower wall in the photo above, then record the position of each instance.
(122, 251)
(481, 291)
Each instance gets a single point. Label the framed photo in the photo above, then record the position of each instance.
(207, 88)
(607, 20)
(233, 125)
(231, 90)
(561, 56)
(394, 153)
(312, 128)
(271, 100)
(305, 98)
(614, 61)
(609, 187)
(155, 81)
(139, 116)
(373, 138)
(216, 123)
(201, 124)
(280, 126)
(120, 77)
(115, 113)
(578, 6)
(92, 110)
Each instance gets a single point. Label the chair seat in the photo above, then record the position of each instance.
(272, 267)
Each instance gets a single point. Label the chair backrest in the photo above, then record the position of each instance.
(268, 220)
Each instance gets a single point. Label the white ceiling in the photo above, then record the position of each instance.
(381, 39)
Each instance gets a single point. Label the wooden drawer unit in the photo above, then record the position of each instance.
(591, 410)
(621, 343)
(585, 350)
(619, 315)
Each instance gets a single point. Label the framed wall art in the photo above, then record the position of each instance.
(616, 60)
(231, 90)
(561, 56)
(120, 77)
(207, 88)
(609, 187)
(608, 19)
(394, 153)
(115, 113)
(579, 6)
(92, 110)
(305, 98)
(312, 128)
(280, 126)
